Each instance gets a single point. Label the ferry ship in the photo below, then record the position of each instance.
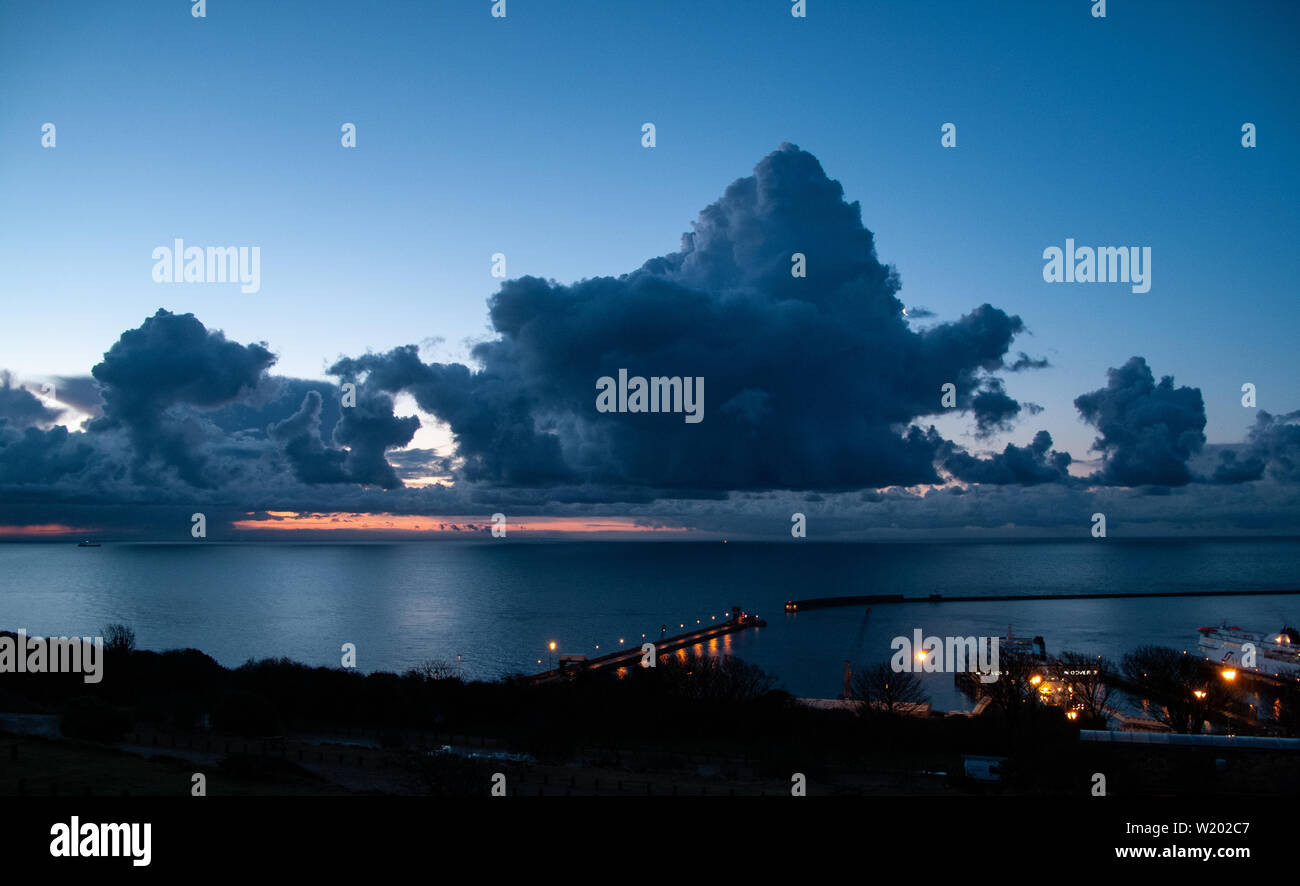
(1276, 654)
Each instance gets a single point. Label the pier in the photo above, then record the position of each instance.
(631, 656)
(885, 599)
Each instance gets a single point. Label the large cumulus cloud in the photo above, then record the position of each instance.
(1147, 430)
(810, 383)
(173, 360)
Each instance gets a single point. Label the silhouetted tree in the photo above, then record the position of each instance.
(118, 638)
(436, 669)
(716, 680)
(1086, 677)
(1015, 692)
(878, 689)
(1186, 690)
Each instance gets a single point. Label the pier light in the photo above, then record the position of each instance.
(1071, 715)
(1199, 693)
(620, 639)
(552, 645)
(1035, 680)
(1229, 674)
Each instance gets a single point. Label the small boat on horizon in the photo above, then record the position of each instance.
(88, 544)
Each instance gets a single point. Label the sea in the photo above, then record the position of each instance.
(492, 608)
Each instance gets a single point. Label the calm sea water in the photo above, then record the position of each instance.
(496, 606)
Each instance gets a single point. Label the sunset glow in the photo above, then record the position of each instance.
(37, 530)
(292, 521)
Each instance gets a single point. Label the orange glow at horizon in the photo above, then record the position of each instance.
(41, 529)
(292, 521)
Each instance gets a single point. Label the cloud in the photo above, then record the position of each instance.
(32, 455)
(821, 377)
(1148, 431)
(1234, 469)
(301, 437)
(1024, 361)
(368, 430)
(1272, 446)
(80, 392)
(1023, 465)
(993, 409)
(21, 408)
(413, 464)
(818, 397)
(173, 360)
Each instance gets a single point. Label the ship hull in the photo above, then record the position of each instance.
(1274, 655)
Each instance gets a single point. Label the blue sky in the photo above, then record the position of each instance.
(479, 135)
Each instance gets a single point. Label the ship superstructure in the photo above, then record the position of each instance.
(1274, 655)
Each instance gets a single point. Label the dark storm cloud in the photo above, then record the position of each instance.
(994, 410)
(1276, 439)
(273, 400)
(173, 360)
(1148, 431)
(1272, 447)
(20, 407)
(491, 413)
(80, 392)
(1024, 465)
(810, 383)
(32, 455)
(300, 434)
(368, 430)
(1236, 468)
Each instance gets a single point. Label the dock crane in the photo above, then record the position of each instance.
(854, 652)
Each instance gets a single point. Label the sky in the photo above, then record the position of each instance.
(522, 135)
